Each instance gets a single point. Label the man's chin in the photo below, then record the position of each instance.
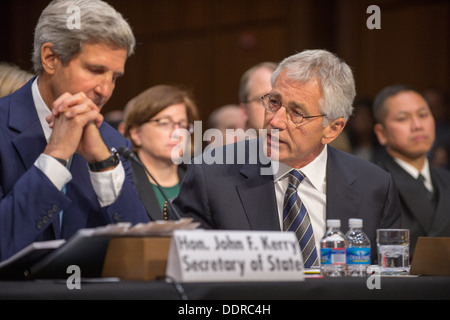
(99, 101)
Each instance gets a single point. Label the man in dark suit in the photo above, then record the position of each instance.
(307, 108)
(58, 169)
(406, 127)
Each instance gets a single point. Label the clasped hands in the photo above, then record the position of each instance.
(75, 121)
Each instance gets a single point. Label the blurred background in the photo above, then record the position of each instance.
(206, 45)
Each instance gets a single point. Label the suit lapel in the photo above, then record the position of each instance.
(441, 219)
(30, 141)
(411, 194)
(343, 199)
(146, 193)
(30, 144)
(257, 195)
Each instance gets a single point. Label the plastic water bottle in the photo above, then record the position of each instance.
(332, 250)
(358, 249)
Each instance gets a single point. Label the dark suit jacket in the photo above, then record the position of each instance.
(237, 196)
(146, 192)
(421, 217)
(30, 203)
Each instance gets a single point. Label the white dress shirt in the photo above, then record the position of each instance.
(312, 192)
(107, 184)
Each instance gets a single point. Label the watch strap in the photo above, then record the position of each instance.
(112, 161)
(62, 161)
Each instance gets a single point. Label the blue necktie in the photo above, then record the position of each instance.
(296, 219)
(64, 190)
(61, 212)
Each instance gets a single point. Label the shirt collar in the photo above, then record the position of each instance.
(315, 171)
(425, 172)
(41, 108)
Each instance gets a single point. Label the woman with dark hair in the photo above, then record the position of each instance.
(151, 123)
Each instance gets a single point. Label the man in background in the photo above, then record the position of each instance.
(406, 127)
(255, 83)
(228, 117)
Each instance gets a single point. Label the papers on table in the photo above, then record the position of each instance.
(152, 228)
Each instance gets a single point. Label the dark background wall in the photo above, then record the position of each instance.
(206, 45)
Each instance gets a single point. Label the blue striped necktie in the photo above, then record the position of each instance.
(296, 219)
(64, 190)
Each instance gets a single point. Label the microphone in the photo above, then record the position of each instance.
(130, 155)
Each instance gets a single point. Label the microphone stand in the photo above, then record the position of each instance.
(130, 155)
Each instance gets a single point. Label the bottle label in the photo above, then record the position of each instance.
(357, 255)
(334, 256)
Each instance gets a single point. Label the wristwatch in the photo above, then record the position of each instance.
(112, 161)
(62, 161)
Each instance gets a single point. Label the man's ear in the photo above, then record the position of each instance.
(333, 130)
(380, 133)
(48, 58)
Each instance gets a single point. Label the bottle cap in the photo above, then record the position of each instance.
(355, 223)
(334, 223)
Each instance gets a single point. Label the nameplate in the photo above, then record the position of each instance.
(224, 256)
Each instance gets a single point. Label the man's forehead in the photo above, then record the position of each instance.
(288, 87)
(407, 99)
(103, 55)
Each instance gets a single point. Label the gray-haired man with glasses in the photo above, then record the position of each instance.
(307, 108)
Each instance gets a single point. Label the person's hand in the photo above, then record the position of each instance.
(67, 101)
(91, 146)
(75, 118)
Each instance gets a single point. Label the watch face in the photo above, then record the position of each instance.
(114, 157)
(114, 153)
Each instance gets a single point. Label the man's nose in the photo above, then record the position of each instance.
(279, 118)
(105, 87)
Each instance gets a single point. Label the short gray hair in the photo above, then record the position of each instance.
(100, 23)
(335, 78)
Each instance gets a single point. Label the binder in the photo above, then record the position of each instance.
(50, 259)
(431, 257)
(15, 267)
(136, 252)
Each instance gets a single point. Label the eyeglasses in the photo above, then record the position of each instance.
(168, 124)
(294, 114)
